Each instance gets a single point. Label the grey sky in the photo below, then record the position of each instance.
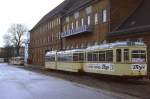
(27, 12)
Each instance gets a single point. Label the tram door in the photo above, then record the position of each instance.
(118, 56)
(122, 55)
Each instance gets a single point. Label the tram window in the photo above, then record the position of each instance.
(67, 57)
(118, 55)
(52, 58)
(81, 56)
(75, 57)
(60, 57)
(47, 58)
(126, 55)
(89, 56)
(95, 56)
(78, 57)
(109, 56)
(102, 56)
(138, 56)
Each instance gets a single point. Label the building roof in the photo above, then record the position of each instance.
(60, 8)
(65, 7)
(138, 22)
(77, 5)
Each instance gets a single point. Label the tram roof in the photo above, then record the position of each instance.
(50, 53)
(115, 44)
(72, 51)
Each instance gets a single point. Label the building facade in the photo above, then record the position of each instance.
(81, 23)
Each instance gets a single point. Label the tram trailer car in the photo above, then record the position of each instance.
(51, 60)
(70, 60)
(123, 59)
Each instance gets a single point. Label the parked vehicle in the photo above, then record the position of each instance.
(16, 60)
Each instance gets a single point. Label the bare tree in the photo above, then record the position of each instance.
(7, 40)
(15, 36)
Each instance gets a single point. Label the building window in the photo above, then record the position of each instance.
(76, 15)
(59, 35)
(52, 37)
(58, 20)
(50, 24)
(96, 18)
(88, 10)
(82, 21)
(104, 16)
(72, 25)
(64, 28)
(89, 20)
(77, 46)
(68, 27)
(77, 24)
(67, 19)
(54, 23)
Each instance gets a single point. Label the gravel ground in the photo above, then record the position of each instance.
(139, 89)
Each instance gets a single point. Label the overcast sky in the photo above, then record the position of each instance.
(27, 12)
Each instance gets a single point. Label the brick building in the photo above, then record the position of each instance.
(81, 23)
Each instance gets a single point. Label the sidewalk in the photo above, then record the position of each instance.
(34, 66)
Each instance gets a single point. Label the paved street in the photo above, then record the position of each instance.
(16, 83)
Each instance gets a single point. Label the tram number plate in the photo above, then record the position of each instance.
(101, 66)
(138, 67)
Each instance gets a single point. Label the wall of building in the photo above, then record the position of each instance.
(43, 38)
(99, 28)
(121, 10)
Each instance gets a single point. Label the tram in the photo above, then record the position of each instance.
(128, 59)
(16, 60)
(124, 59)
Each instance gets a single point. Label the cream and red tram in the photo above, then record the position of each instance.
(128, 59)
(70, 60)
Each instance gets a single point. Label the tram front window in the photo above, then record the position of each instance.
(138, 56)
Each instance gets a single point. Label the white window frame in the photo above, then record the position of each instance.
(88, 10)
(58, 20)
(82, 21)
(68, 27)
(77, 24)
(67, 19)
(89, 20)
(76, 15)
(96, 18)
(104, 18)
(64, 28)
(72, 25)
